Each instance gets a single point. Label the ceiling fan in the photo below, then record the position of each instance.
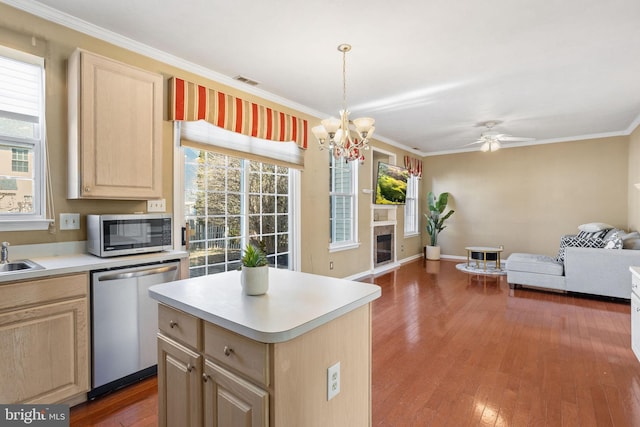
(491, 140)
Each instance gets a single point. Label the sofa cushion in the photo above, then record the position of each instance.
(570, 240)
(534, 263)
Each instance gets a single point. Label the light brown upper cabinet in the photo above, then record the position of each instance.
(115, 129)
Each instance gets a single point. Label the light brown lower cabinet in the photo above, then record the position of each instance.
(210, 376)
(179, 384)
(44, 340)
(193, 390)
(232, 401)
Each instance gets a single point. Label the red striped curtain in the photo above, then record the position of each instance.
(191, 102)
(413, 165)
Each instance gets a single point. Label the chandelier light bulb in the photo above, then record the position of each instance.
(320, 133)
(331, 125)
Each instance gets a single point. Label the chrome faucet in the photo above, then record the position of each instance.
(4, 254)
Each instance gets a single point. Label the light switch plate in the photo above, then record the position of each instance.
(69, 221)
(157, 205)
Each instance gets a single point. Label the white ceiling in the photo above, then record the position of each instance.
(428, 71)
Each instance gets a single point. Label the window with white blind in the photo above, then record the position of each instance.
(411, 218)
(343, 204)
(22, 142)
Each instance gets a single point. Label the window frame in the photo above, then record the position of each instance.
(411, 218)
(36, 220)
(223, 138)
(352, 194)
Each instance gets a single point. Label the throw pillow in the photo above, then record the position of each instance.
(579, 242)
(614, 241)
(600, 234)
(595, 226)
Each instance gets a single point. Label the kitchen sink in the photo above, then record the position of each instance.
(17, 266)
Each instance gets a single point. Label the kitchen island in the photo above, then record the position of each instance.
(226, 359)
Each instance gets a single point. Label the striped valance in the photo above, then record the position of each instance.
(191, 102)
(413, 165)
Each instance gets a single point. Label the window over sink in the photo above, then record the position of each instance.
(22, 141)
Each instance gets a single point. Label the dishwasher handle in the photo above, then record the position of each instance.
(138, 273)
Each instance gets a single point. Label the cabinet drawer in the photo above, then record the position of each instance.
(245, 355)
(179, 325)
(42, 291)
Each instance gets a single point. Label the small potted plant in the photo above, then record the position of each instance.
(254, 274)
(435, 222)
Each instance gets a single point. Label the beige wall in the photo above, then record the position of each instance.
(634, 177)
(16, 30)
(525, 198)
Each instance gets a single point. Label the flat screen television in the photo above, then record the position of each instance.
(391, 184)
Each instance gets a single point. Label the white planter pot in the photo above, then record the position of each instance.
(255, 280)
(433, 253)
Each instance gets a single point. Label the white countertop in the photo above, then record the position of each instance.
(295, 303)
(76, 263)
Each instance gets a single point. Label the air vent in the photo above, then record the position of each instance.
(246, 80)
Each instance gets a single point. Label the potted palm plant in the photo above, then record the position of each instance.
(435, 222)
(254, 275)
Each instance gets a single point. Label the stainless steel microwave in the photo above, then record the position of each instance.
(114, 235)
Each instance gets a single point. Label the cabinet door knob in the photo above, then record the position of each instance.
(189, 367)
(205, 377)
(172, 324)
(227, 350)
(87, 188)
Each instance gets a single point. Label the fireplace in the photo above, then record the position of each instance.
(383, 248)
(383, 245)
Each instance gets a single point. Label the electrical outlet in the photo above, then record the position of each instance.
(69, 221)
(333, 381)
(158, 205)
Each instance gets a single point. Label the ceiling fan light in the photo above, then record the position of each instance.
(485, 147)
(494, 146)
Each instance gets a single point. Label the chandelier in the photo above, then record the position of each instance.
(336, 134)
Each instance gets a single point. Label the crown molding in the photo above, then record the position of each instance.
(633, 126)
(69, 21)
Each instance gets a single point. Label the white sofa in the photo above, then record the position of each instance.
(595, 271)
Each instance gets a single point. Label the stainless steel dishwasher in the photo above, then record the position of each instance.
(124, 324)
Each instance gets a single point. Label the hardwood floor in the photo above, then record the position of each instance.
(450, 350)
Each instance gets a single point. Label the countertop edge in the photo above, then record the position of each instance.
(268, 337)
(82, 263)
